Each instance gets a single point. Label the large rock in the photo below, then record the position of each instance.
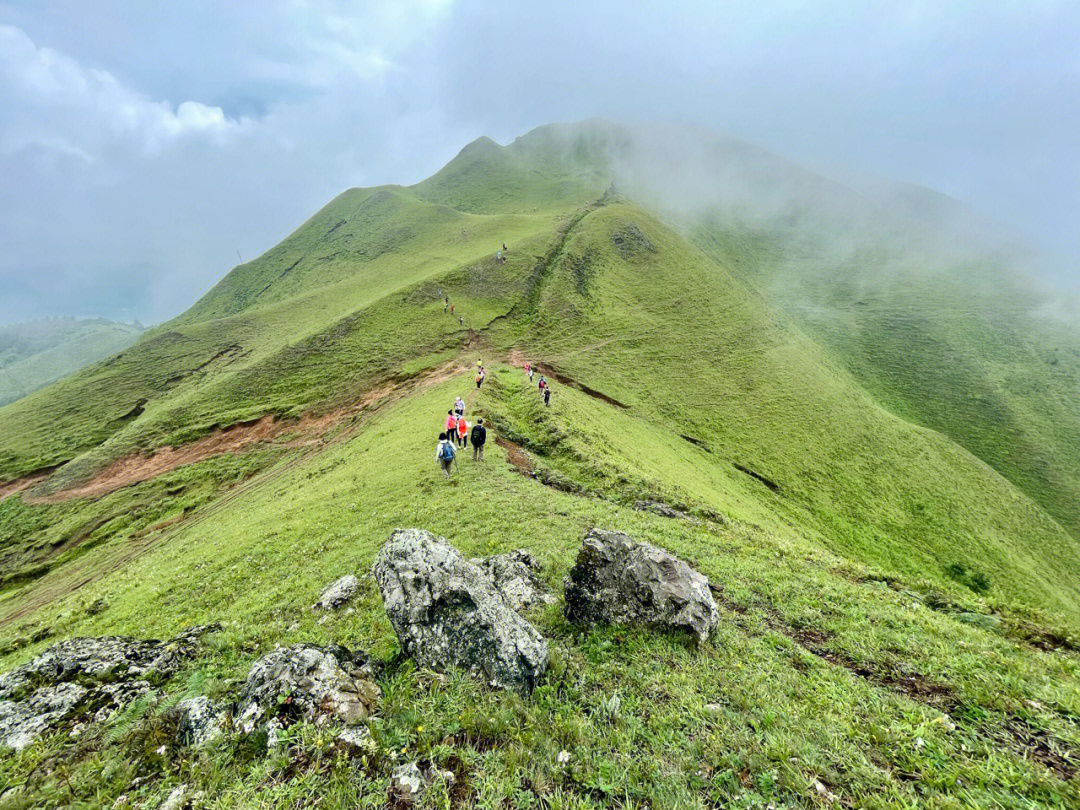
(516, 575)
(90, 677)
(304, 681)
(338, 593)
(617, 580)
(447, 612)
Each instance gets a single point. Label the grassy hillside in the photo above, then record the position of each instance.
(892, 635)
(36, 353)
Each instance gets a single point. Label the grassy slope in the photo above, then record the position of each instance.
(34, 354)
(959, 345)
(751, 718)
(806, 678)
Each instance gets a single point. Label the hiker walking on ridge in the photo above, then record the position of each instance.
(479, 436)
(543, 384)
(446, 303)
(459, 407)
(451, 309)
(462, 432)
(451, 423)
(480, 375)
(460, 320)
(445, 455)
(547, 396)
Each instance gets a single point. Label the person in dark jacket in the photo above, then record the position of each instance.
(479, 436)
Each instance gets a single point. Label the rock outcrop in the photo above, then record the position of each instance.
(338, 593)
(447, 612)
(305, 682)
(664, 510)
(85, 676)
(200, 721)
(618, 580)
(516, 575)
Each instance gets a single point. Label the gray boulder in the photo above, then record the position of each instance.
(516, 575)
(617, 580)
(447, 612)
(310, 681)
(338, 593)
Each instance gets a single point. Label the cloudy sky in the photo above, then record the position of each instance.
(143, 146)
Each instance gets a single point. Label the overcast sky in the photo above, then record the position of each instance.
(142, 145)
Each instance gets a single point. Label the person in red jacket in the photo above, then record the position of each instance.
(462, 432)
(451, 424)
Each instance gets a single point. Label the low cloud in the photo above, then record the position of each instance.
(56, 103)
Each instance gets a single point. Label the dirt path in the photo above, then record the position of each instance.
(347, 421)
(310, 430)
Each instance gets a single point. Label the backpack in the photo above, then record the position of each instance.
(446, 451)
(479, 434)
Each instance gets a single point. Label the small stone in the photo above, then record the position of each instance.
(356, 740)
(407, 783)
(200, 721)
(338, 593)
(177, 799)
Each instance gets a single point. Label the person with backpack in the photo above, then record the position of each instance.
(462, 432)
(530, 369)
(480, 378)
(547, 396)
(479, 437)
(543, 383)
(445, 454)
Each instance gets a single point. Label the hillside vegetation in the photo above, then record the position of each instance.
(893, 632)
(36, 353)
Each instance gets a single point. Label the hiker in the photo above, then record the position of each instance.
(498, 257)
(528, 369)
(460, 320)
(451, 423)
(479, 378)
(446, 303)
(445, 454)
(479, 436)
(479, 364)
(547, 396)
(459, 407)
(451, 309)
(543, 383)
(462, 432)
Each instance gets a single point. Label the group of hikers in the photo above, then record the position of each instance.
(500, 258)
(543, 386)
(459, 432)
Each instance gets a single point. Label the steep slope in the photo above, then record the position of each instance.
(36, 353)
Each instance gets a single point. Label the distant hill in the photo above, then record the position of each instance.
(35, 353)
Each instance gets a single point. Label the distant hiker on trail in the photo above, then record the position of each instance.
(479, 364)
(498, 257)
(451, 423)
(462, 432)
(460, 320)
(480, 375)
(504, 247)
(543, 383)
(459, 406)
(451, 309)
(445, 454)
(479, 436)
(446, 303)
(547, 396)
(531, 370)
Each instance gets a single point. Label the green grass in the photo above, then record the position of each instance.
(899, 605)
(783, 717)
